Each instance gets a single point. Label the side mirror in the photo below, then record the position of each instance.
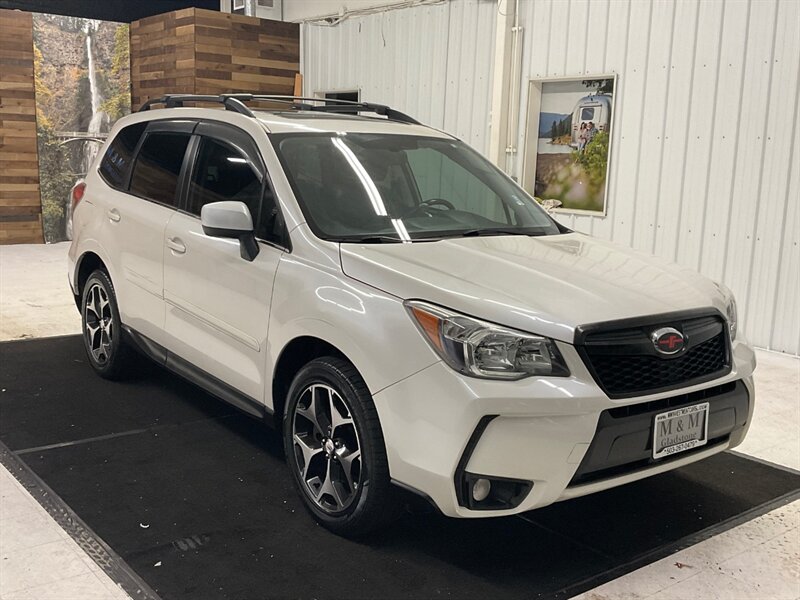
(231, 220)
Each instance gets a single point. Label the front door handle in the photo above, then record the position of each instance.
(176, 245)
(113, 215)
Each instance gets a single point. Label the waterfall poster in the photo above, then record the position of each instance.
(82, 88)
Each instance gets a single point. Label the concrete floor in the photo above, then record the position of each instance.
(759, 559)
(35, 299)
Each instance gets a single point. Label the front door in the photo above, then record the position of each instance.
(217, 303)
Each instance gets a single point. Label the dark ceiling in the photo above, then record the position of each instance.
(107, 10)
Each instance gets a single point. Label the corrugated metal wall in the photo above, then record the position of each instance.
(705, 165)
(433, 62)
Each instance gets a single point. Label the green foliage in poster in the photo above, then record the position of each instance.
(594, 159)
(55, 182)
(117, 79)
(56, 177)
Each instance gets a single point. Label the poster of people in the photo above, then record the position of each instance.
(572, 148)
(83, 86)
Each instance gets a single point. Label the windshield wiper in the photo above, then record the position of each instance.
(493, 231)
(371, 239)
(384, 239)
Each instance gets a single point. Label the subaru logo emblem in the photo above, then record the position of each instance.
(668, 340)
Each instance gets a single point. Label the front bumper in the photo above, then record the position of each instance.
(538, 430)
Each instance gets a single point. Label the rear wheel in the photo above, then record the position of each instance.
(107, 351)
(335, 449)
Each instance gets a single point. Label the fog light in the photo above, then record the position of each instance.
(481, 489)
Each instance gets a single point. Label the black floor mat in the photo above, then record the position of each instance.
(196, 498)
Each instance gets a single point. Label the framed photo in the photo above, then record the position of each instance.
(568, 142)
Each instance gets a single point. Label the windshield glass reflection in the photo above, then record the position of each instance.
(393, 188)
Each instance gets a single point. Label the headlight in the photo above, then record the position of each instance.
(483, 349)
(730, 309)
(732, 318)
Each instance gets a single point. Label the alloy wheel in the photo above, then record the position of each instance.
(326, 448)
(99, 323)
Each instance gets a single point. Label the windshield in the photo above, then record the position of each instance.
(397, 188)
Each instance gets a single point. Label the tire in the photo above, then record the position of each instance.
(108, 352)
(323, 447)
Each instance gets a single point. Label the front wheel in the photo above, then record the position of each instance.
(335, 449)
(108, 353)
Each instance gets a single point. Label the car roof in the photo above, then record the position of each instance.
(285, 121)
(291, 121)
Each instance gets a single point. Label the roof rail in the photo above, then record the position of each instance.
(230, 101)
(235, 102)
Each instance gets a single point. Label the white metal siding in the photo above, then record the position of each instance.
(433, 62)
(705, 163)
(705, 160)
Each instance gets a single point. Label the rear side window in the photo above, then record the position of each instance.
(155, 174)
(117, 160)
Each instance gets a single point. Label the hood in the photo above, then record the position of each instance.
(547, 285)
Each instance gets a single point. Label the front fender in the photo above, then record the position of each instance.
(370, 327)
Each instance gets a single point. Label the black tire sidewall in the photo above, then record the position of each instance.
(324, 371)
(111, 366)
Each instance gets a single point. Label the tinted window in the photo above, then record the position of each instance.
(155, 174)
(117, 159)
(223, 173)
(587, 114)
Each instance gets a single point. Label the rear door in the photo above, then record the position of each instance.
(217, 303)
(138, 212)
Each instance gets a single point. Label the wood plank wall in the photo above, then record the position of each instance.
(206, 52)
(20, 204)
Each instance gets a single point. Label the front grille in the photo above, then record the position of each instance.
(625, 363)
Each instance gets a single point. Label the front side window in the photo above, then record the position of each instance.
(117, 160)
(224, 173)
(377, 188)
(158, 165)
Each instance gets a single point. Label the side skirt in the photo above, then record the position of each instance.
(200, 378)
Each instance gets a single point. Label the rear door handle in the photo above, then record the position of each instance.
(113, 215)
(176, 245)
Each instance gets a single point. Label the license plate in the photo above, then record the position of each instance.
(680, 430)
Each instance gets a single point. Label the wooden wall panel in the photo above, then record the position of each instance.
(206, 52)
(20, 204)
(162, 56)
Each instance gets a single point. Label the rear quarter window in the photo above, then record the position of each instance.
(117, 160)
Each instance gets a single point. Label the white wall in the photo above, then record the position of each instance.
(299, 10)
(706, 146)
(705, 167)
(411, 59)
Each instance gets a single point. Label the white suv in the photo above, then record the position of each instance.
(403, 312)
